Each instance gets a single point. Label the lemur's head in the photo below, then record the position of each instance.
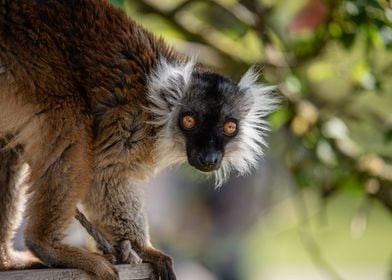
(207, 119)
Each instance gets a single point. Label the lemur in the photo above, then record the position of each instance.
(94, 105)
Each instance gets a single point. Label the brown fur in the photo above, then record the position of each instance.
(72, 88)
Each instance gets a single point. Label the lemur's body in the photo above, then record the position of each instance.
(87, 99)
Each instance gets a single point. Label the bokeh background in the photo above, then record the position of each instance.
(319, 205)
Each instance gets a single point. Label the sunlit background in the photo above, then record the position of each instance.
(319, 205)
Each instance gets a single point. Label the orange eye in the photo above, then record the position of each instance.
(188, 122)
(230, 128)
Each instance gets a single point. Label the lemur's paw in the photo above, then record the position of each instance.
(104, 270)
(19, 260)
(126, 254)
(162, 264)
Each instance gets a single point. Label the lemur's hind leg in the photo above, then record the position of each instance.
(11, 204)
(58, 183)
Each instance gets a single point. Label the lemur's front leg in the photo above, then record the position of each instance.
(116, 208)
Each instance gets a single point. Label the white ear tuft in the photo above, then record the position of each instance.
(249, 78)
(166, 87)
(264, 99)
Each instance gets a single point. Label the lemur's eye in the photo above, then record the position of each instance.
(230, 128)
(188, 122)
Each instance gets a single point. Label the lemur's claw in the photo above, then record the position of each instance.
(163, 264)
(126, 255)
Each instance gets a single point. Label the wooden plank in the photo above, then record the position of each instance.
(126, 272)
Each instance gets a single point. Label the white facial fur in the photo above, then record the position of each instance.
(168, 85)
(243, 154)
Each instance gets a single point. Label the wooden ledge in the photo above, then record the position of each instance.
(126, 272)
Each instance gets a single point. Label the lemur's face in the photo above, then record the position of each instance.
(208, 120)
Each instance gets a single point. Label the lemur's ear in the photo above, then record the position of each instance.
(263, 98)
(167, 85)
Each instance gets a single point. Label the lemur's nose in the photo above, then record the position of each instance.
(211, 160)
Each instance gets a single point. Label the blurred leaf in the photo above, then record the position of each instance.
(279, 118)
(347, 39)
(386, 35)
(309, 17)
(118, 3)
(362, 75)
(320, 71)
(326, 154)
(388, 135)
(335, 30)
(293, 84)
(375, 36)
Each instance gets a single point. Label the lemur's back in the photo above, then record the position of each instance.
(32, 50)
(79, 59)
(76, 48)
